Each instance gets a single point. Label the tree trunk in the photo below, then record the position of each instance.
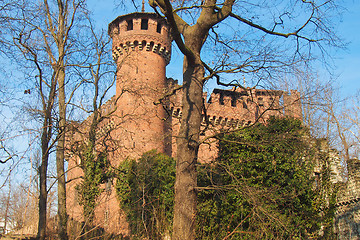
(60, 153)
(60, 157)
(42, 200)
(7, 207)
(45, 138)
(187, 151)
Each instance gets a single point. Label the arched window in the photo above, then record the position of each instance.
(158, 27)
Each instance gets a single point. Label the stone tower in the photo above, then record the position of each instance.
(141, 49)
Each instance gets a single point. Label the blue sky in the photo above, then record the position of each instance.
(346, 71)
(348, 62)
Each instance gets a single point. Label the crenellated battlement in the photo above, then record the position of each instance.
(241, 97)
(250, 104)
(140, 31)
(241, 107)
(214, 120)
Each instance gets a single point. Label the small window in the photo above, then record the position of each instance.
(106, 216)
(144, 24)
(261, 101)
(233, 101)
(130, 25)
(221, 100)
(158, 27)
(244, 105)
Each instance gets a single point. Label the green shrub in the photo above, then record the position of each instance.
(96, 169)
(260, 187)
(145, 188)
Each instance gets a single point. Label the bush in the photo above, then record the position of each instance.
(146, 192)
(261, 187)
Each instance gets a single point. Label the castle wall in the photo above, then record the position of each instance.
(227, 110)
(347, 220)
(292, 104)
(108, 214)
(140, 119)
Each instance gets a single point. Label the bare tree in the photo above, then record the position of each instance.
(44, 37)
(90, 135)
(47, 101)
(259, 43)
(59, 30)
(18, 206)
(353, 116)
(341, 116)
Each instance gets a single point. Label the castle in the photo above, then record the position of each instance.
(144, 114)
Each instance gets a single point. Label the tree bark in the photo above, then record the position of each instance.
(45, 140)
(60, 157)
(60, 151)
(188, 145)
(193, 81)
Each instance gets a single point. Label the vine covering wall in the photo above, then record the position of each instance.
(145, 188)
(262, 186)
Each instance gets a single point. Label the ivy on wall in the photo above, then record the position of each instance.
(262, 186)
(97, 171)
(145, 188)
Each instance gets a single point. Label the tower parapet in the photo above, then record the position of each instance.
(144, 31)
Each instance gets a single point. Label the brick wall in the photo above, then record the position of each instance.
(141, 119)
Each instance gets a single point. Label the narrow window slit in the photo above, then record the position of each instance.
(158, 28)
(130, 25)
(144, 24)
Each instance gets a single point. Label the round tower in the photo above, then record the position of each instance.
(141, 49)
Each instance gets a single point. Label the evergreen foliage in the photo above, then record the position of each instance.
(262, 186)
(146, 191)
(97, 171)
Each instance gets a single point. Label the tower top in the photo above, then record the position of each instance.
(143, 6)
(136, 15)
(142, 31)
